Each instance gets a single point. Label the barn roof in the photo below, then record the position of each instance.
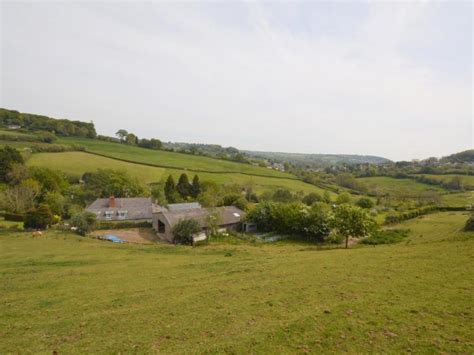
(226, 215)
(136, 207)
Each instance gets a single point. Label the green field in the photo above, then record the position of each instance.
(408, 187)
(16, 133)
(387, 185)
(77, 295)
(169, 159)
(77, 163)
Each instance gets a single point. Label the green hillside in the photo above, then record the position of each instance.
(170, 159)
(77, 163)
(387, 185)
(68, 294)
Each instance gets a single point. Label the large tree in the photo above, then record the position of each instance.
(121, 133)
(20, 198)
(350, 221)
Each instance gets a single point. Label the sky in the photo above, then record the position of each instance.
(392, 79)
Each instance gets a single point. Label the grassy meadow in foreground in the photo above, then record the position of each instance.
(78, 295)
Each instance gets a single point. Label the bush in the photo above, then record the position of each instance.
(184, 230)
(470, 223)
(84, 222)
(311, 198)
(365, 202)
(343, 198)
(46, 137)
(388, 236)
(38, 218)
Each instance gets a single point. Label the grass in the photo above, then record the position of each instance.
(77, 163)
(397, 187)
(409, 187)
(10, 224)
(77, 295)
(170, 159)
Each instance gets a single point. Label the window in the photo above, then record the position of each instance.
(122, 214)
(109, 214)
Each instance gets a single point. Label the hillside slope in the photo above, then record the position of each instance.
(170, 160)
(66, 293)
(77, 163)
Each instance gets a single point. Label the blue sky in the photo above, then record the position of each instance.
(382, 78)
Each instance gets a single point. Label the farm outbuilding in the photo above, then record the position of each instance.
(228, 218)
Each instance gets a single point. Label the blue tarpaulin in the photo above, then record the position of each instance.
(112, 238)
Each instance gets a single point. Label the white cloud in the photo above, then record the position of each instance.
(182, 72)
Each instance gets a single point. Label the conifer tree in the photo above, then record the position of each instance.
(183, 186)
(170, 189)
(196, 187)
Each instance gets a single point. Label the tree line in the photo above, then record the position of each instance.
(61, 127)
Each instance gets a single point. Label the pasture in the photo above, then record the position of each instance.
(77, 163)
(78, 295)
(166, 159)
(398, 187)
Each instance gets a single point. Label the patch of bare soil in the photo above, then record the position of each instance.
(132, 235)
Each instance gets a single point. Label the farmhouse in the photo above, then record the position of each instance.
(120, 209)
(228, 218)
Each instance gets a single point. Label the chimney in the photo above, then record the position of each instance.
(111, 202)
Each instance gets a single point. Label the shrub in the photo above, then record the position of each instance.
(38, 218)
(311, 198)
(184, 230)
(343, 198)
(365, 202)
(470, 223)
(241, 203)
(84, 222)
(388, 236)
(46, 137)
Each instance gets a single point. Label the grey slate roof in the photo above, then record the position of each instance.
(183, 206)
(227, 215)
(138, 208)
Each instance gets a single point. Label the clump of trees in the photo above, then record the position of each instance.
(130, 138)
(109, 182)
(61, 127)
(313, 223)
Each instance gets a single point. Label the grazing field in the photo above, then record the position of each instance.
(397, 187)
(169, 159)
(77, 163)
(77, 295)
